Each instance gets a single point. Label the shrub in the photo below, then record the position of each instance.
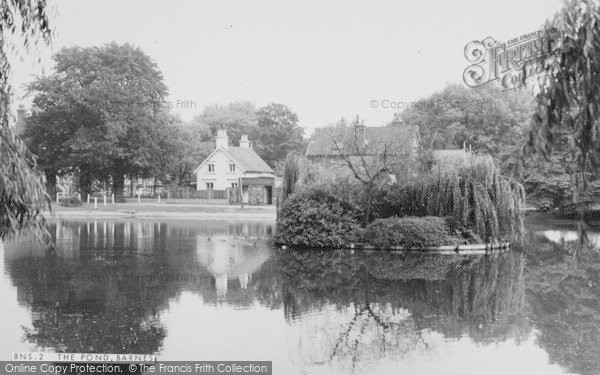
(69, 201)
(317, 218)
(410, 232)
(472, 190)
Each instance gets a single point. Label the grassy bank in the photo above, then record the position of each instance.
(164, 210)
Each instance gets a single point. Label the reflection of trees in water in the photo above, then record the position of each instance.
(386, 304)
(563, 291)
(104, 288)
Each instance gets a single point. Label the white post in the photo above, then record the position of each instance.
(95, 203)
(57, 197)
(88, 199)
(79, 196)
(113, 198)
(158, 198)
(139, 197)
(104, 198)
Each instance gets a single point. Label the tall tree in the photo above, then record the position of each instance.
(237, 118)
(21, 186)
(569, 99)
(106, 103)
(489, 120)
(278, 133)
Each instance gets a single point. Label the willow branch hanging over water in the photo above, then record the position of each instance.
(474, 192)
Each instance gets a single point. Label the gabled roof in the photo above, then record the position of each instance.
(245, 158)
(248, 159)
(399, 140)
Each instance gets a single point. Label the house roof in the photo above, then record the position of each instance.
(248, 159)
(398, 139)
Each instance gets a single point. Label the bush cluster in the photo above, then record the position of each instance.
(69, 202)
(317, 218)
(410, 232)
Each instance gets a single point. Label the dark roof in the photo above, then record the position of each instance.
(398, 139)
(248, 159)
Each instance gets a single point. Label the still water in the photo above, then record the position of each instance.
(221, 291)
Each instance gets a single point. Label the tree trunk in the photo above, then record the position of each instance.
(368, 205)
(85, 183)
(51, 184)
(132, 186)
(118, 182)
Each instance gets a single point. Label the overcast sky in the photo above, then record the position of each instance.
(324, 59)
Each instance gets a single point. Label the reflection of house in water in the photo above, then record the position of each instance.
(230, 260)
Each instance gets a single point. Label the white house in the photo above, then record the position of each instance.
(228, 166)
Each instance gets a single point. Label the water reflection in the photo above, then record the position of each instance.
(176, 288)
(387, 305)
(563, 291)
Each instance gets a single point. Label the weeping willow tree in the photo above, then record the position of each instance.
(474, 192)
(22, 191)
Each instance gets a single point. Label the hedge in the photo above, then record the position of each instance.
(317, 218)
(410, 232)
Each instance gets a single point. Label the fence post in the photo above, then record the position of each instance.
(113, 198)
(158, 198)
(139, 197)
(104, 198)
(241, 194)
(88, 198)
(95, 203)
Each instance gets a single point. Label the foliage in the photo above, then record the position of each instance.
(237, 118)
(69, 201)
(487, 119)
(472, 190)
(317, 218)
(569, 99)
(291, 174)
(277, 133)
(105, 108)
(182, 149)
(410, 232)
(22, 195)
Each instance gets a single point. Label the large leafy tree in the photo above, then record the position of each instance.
(22, 193)
(278, 133)
(100, 113)
(486, 119)
(237, 118)
(568, 100)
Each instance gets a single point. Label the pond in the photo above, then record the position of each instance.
(221, 291)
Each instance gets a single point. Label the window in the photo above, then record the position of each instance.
(231, 167)
(210, 185)
(234, 185)
(211, 167)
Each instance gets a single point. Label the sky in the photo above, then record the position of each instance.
(323, 59)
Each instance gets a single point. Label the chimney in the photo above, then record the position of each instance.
(222, 139)
(397, 121)
(359, 132)
(244, 142)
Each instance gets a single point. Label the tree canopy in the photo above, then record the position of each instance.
(277, 133)
(101, 113)
(568, 100)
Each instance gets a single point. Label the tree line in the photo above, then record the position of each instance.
(100, 116)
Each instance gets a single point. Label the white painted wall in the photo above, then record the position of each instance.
(221, 178)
